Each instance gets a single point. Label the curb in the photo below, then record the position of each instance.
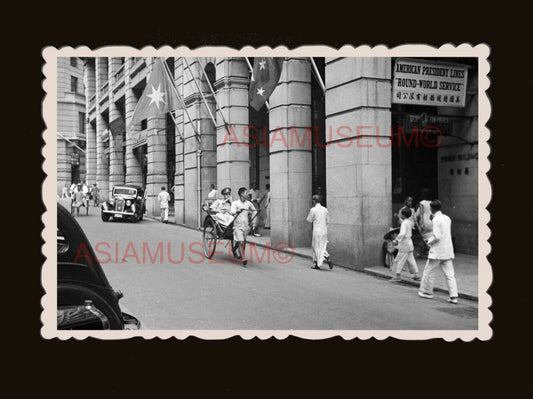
(300, 255)
(417, 284)
(373, 273)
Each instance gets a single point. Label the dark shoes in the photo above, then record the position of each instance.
(330, 263)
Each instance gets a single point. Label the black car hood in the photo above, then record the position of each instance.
(78, 262)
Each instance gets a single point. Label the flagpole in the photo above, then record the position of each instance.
(201, 93)
(181, 100)
(198, 151)
(214, 95)
(317, 75)
(252, 72)
(71, 142)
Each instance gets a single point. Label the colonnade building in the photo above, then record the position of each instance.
(71, 122)
(339, 127)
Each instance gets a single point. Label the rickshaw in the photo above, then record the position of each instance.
(213, 231)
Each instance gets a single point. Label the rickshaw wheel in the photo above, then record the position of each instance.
(209, 238)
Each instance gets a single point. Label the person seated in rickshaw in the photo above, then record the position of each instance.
(222, 207)
(241, 208)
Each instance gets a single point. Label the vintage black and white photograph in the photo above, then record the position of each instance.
(264, 192)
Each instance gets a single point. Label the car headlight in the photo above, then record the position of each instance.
(128, 203)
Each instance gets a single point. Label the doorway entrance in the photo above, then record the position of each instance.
(414, 161)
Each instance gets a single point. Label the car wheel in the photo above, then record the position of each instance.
(105, 217)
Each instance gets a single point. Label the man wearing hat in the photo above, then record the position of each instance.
(222, 207)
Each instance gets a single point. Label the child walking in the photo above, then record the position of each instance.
(405, 248)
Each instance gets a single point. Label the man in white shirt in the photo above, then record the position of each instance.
(213, 193)
(164, 198)
(241, 224)
(440, 254)
(319, 216)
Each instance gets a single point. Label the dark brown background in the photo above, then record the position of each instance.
(170, 367)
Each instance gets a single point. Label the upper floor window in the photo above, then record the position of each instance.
(73, 84)
(73, 61)
(81, 122)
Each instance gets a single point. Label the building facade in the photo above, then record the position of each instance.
(71, 122)
(332, 128)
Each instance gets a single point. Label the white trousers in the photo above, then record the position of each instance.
(164, 214)
(428, 277)
(401, 259)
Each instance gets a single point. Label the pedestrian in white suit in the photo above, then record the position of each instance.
(440, 254)
(319, 216)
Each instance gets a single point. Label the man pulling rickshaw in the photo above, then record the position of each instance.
(229, 220)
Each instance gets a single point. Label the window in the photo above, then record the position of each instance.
(210, 71)
(81, 119)
(73, 84)
(74, 62)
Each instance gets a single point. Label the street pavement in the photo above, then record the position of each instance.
(187, 292)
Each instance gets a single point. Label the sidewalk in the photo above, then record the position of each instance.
(466, 273)
(466, 266)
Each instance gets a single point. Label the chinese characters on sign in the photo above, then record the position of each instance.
(424, 82)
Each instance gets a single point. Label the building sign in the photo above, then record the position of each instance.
(423, 82)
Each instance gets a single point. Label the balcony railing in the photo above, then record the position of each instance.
(104, 88)
(119, 74)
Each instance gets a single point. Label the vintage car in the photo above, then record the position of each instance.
(85, 299)
(126, 202)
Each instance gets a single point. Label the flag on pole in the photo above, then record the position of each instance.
(266, 74)
(159, 95)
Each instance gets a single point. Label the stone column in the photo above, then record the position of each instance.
(90, 89)
(157, 163)
(102, 159)
(133, 166)
(193, 78)
(179, 176)
(157, 160)
(291, 155)
(232, 147)
(359, 189)
(64, 168)
(116, 156)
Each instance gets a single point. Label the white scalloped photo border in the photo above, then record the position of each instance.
(49, 218)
